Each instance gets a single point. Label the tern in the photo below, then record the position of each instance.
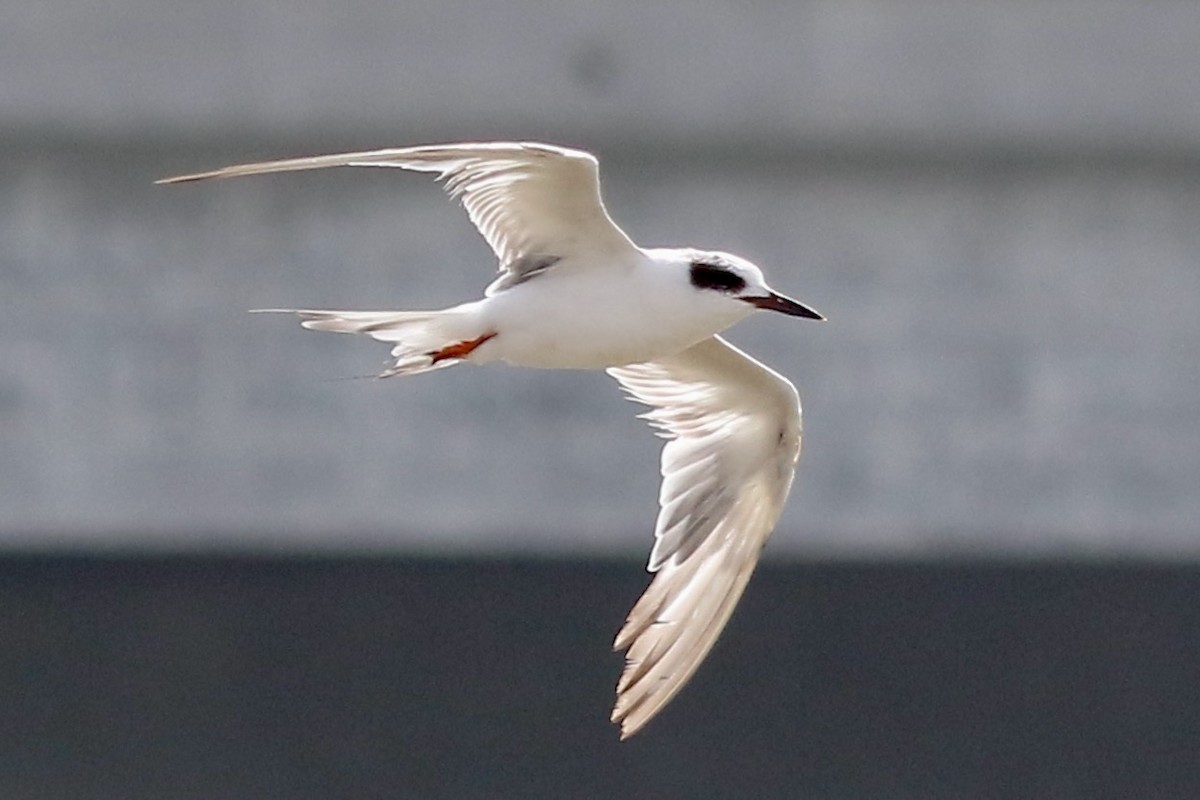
(575, 292)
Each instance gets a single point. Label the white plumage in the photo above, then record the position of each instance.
(734, 429)
(575, 292)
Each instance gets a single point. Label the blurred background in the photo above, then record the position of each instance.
(224, 566)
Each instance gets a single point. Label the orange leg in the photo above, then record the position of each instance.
(460, 350)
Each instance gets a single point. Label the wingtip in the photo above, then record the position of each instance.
(185, 178)
(620, 716)
(623, 638)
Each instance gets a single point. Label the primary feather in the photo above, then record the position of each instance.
(734, 429)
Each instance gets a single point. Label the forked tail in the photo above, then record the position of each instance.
(424, 340)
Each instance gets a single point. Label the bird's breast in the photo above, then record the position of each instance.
(595, 323)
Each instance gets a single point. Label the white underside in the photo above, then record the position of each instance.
(615, 326)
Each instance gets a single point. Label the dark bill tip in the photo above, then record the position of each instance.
(784, 305)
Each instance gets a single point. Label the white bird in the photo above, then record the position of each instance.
(575, 292)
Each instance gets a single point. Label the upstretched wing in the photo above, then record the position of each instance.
(734, 431)
(534, 203)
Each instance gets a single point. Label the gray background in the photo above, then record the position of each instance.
(995, 205)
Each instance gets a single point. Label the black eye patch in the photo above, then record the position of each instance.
(707, 276)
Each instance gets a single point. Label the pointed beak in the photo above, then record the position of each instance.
(784, 305)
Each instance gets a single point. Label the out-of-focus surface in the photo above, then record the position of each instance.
(491, 679)
(995, 205)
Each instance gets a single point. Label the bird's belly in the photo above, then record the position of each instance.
(586, 347)
(600, 334)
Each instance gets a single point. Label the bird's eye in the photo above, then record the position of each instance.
(707, 276)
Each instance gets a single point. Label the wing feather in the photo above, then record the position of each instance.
(531, 201)
(734, 437)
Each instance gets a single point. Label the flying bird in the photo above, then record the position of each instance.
(573, 291)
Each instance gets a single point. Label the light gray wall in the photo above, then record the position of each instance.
(995, 204)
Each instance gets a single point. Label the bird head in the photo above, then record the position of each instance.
(737, 279)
